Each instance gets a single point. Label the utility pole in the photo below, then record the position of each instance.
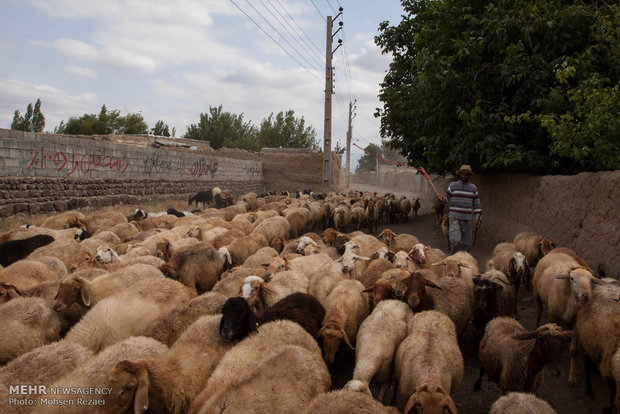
(329, 90)
(349, 133)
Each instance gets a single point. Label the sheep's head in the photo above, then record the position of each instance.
(519, 268)
(72, 289)
(74, 222)
(431, 399)
(452, 267)
(387, 237)
(277, 243)
(380, 290)
(194, 231)
(418, 255)
(581, 281)
(329, 236)
(225, 256)
(81, 261)
(357, 386)
(332, 338)
(278, 264)
(163, 250)
(237, 319)
(105, 254)
(402, 260)
(130, 382)
(349, 260)
(545, 245)
(8, 292)
(251, 290)
(341, 240)
(549, 344)
(416, 284)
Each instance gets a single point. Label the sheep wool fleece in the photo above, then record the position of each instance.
(464, 204)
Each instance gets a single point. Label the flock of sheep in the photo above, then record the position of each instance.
(249, 308)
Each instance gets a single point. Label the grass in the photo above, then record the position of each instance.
(14, 222)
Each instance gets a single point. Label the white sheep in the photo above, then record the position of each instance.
(508, 260)
(261, 293)
(274, 227)
(171, 381)
(561, 285)
(129, 312)
(425, 256)
(428, 363)
(377, 339)
(346, 307)
(246, 354)
(353, 264)
(29, 322)
(521, 403)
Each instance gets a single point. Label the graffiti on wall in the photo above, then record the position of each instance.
(200, 168)
(252, 170)
(73, 161)
(153, 164)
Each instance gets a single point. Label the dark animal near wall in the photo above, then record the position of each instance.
(204, 197)
(175, 212)
(238, 320)
(15, 250)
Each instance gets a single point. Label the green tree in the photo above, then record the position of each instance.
(478, 83)
(368, 161)
(219, 127)
(160, 129)
(340, 151)
(105, 123)
(286, 131)
(33, 120)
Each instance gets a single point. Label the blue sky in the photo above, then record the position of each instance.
(171, 60)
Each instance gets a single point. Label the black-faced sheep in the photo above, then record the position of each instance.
(428, 363)
(514, 358)
(494, 297)
(377, 339)
(238, 319)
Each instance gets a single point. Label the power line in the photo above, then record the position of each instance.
(299, 27)
(279, 45)
(317, 9)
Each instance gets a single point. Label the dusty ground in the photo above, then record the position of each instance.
(564, 398)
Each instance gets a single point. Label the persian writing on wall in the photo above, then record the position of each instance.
(73, 162)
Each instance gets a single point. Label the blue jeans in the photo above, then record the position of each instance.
(460, 235)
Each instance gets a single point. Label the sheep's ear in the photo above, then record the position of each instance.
(525, 336)
(431, 284)
(361, 258)
(596, 281)
(369, 289)
(440, 263)
(318, 334)
(85, 296)
(338, 260)
(346, 339)
(561, 276)
(141, 397)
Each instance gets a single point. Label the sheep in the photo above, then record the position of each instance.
(345, 309)
(405, 209)
(14, 250)
(170, 382)
(42, 365)
(29, 323)
(203, 197)
(329, 236)
(404, 261)
(438, 208)
(353, 264)
(96, 221)
(26, 273)
(246, 354)
(253, 392)
(76, 289)
(128, 313)
(372, 216)
(198, 266)
(508, 260)
(460, 264)
(377, 339)
(169, 327)
(494, 297)
(243, 247)
(262, 293)
(563, 286)
(533, 246)
(238, 320)
(346, 402)
(298, 221)
(395, 279)
(341, 217)
(57, 221)
(597, 335)
(101, 237)
(165, 248)
(415, 206)
(395, 242)
(232, 280)
(53, 263)
(67, 250)
(521, 403)
(455, 299)
(424, 256)
(428, 363)
(95, 371)
(415, 293)
(374, 270)
(514, 358)
(358, 216)
(125, 231)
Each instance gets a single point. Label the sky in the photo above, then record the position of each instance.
(172, 60)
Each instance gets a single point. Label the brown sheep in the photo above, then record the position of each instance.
(533, 246)
(395, 242)
(347, 402)
(508, 260)
(198, 266)
(521, 403)
(96, 221)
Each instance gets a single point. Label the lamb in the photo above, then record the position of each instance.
(128, 313)
(346, 402)
(95, 371)
(395, 242)
(533, 246)
(597, 335)
(296, 388)
(514, 358)
(508, 260)
(168, 383)
(402, 260)
(14, 250)
(438, 208)
(521, 403)
(405, 208)
(563, 286)
(29, 322)
(428, 363)
(42, 365)
(261, 293)
(415, 206)
(238, 320)
(345, 309)
(358, 216)
(169, 327)
(494, 297)
(76, 289)
(377, 339)
(198, 266)
(249, 352)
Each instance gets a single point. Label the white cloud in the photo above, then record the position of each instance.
(81, 72)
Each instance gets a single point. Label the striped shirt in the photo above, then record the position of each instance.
(464, 200)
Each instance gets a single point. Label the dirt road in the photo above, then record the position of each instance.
(556, 391)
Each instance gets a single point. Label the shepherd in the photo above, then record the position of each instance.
(465, 209)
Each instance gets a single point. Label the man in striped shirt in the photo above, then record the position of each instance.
(464, 208)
